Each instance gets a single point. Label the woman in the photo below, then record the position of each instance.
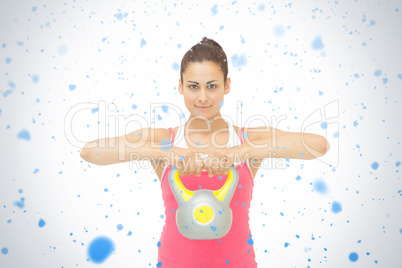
(204, 83)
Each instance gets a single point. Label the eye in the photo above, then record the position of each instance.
(213, 86)
(192, 86)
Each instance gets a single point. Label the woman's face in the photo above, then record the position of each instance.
(203, 86)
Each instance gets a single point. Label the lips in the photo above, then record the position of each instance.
(203, 106)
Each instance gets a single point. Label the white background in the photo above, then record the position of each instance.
(46, 46)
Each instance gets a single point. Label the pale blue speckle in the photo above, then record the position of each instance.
(175, 66)
(353, 256)
(317, 43)
(35, 78)
(41, 223)
(143, 42)
(377, 72)
(279, 30)
(8, 60)
(324, 125)
(385, 80)
(164, 109)
(24, 135)
(374, 165)
(62, 49)
(238, 61)
(72, 87)
(336, 207)
(214, 10)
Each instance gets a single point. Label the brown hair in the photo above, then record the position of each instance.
(206, 50)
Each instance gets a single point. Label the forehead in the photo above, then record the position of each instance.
(202, 71)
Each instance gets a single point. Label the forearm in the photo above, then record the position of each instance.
(100, 152)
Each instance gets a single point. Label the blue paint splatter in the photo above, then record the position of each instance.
(213, 228)
(317, 43)
(134, 106)
(324, 125)
(36, 171)
(320, 186)
(24, 135)
(355, 123)
(162, 216)
(20, 204)
(353, 256)
(120, 15)
(143, 42)
(336, 207)
(286, 244)
(374, 165)
(261, 7)
(8, 60)
(238, 61)
(158, 244)
(95, 110)
(119, 227)
(175, 66)
(279, 30)
(159, 264)
(220, 103)
(377, 72)
(298, 178)
(35, 78)
(164, 109)
(214, 10)
(221, 27)
(34, 8)
(99, 249)
(41, 223)
(385, 80)
(400, 76)
(62, 49)
(336, 134)
(4, 250)
(397, 164)
(166, 145)
(250, 241)
(72, 87)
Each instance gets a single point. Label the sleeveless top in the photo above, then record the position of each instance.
(235, 249)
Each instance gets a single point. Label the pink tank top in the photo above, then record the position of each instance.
(235, 249)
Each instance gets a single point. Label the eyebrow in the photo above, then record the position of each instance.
(197, 83)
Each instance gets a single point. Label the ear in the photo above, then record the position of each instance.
(227, 86)
(180, 87)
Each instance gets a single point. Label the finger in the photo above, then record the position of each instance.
(199, 164)
(208, 167)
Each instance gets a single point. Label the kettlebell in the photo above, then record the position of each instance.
(203, 214)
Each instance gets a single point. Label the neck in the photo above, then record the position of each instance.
(205, 124)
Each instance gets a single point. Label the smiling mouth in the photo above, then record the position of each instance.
(203, 106)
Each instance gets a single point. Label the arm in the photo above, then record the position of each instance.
(268, 142)
(142, 144)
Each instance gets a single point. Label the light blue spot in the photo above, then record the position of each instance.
(245, 135)
(8, 60)
(374, 165)
(175, 66)
(279, 30)
(356, 75)
(72, 87)
(37, 100)
(35, 78)
(397, 164)
(41, 223)
(221, 27)
(143, 42)
(95, 110)
(158, 244)
(377, 72)
(20, 43)
(4, 251)
(353, 256)
(317, 43)
(159, 264)
(99, 249)
(182, 158)
(62, 49)
(372, 22)
(355, 123)
(400, 76)
(250, 241)
(238, 61)
(134, 106)
(239, 186)
(214, 10)
(213, 228)
(162, 216)
(243, 204)
(298, 178)
(320, 186)
(385, 80)
(24, 134)
(20, 191)
(286, 244)
(336, 207)
(324, 125)
(36, 171)
(11, 84)
(220, 103)
(261, 7)
(336, 134)
(164, 109)
(166, 145)
(119, 227)
(34, 8)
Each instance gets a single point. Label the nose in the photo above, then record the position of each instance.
(203, 95)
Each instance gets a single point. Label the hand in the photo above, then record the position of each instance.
(186, 161)
(220, 162)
